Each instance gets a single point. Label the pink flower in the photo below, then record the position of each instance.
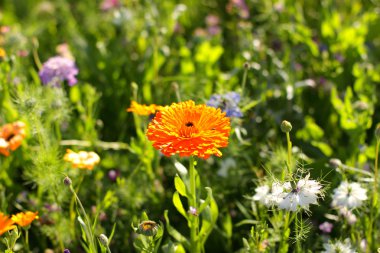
(326, 227)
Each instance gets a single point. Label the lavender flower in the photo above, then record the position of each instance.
(228, 103)
(58, 69)
(326, 227)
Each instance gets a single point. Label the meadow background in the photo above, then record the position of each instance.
(312, 63)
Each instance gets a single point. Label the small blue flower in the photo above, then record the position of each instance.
(228, 103)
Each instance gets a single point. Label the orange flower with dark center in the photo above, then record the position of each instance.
(6, 224)
(141, 109)
(24, 219)
(11, 136)
(188, 129)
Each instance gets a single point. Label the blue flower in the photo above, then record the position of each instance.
(228, 103)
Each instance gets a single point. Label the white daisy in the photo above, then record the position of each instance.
(341, 247)
(306, 192)
(349, 195)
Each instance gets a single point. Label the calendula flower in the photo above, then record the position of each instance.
(24, 219)
(338, 246)
(6, 223)
(58, 69)
(82, 159)
(141, 109)
(349, 195)
(306, 192)
(11, 136)
(228, 103)
(188, 129)
(2, 53)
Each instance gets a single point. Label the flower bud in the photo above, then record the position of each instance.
(148, 228)
(246, 65)
(335, 163)
(286, 127)
(66, 251)
(67, 181)
(103, 239)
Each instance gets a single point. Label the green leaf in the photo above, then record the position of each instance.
(180, 186)
(175, 234)
(209, 218)
(178, 204)
(207, 201)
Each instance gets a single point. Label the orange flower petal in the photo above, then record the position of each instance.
(188, 129)
(6, 224)
(141, 109)
(24, 219)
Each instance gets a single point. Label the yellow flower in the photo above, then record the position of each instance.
(24, 219)
(141, 109)
(2, 53)
(6, 224)
(11, 136)
(82, 159)
(188, 129)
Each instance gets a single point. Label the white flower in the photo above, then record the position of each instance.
(341, 247)
(349, 195)
(305, 193)
(270, 196)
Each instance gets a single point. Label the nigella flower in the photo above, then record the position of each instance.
(269, 196)
(338, 246)
(228, 103)
(349, 195)
(58, 69)
(306, 192)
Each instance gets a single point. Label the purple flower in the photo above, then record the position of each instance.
(228, 103)
(109, 4)
(113, 175)
(58, 69)
(66, 251)
(326, 227)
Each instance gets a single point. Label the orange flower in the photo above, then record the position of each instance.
(24, 219)
(82, 159)
(6, 224)
(188, 129)
(141, 109)
(11, 136)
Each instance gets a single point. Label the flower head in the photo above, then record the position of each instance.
(338, 246)
(228, 103)
(11, 136)
(148, 228)
(270, 196)
(6, 224)
(349, 195)
(2, 53)
(82, 159)
(141, 109)
(109, 4)
(326, 227)
(305, 193)
(188, 129)
(58, 69)
(24, 219)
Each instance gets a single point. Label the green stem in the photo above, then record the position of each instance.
(289, 152)
(194, 242)
(27, 240)
(285, 235)
(244, 81)
(375, 186)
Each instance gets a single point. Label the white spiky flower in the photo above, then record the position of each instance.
(349, 195)
(305, 192)
(338, 246)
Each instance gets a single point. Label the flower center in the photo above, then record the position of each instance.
(189, 124)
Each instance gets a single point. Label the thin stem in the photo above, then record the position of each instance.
(376, 174)
(27, 240)
(194, 242)
(285, 234)
(244, 81)
(289, 152)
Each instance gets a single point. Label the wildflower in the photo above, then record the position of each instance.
(142, 109)
(326, 227)
(240, 6)
(349, 195)
(188, 129)
(66, 251)
(305, 193)
(67, 181)
(113, 175)
(348, 215)
(148, 228)
(228, 103)
(11, 136)
(6, 224)
(270, 196)
(341, 247)
(58, 69)
(109, 4)
(24, 219)
(193, 211)
(82, 159)
(2, 53)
